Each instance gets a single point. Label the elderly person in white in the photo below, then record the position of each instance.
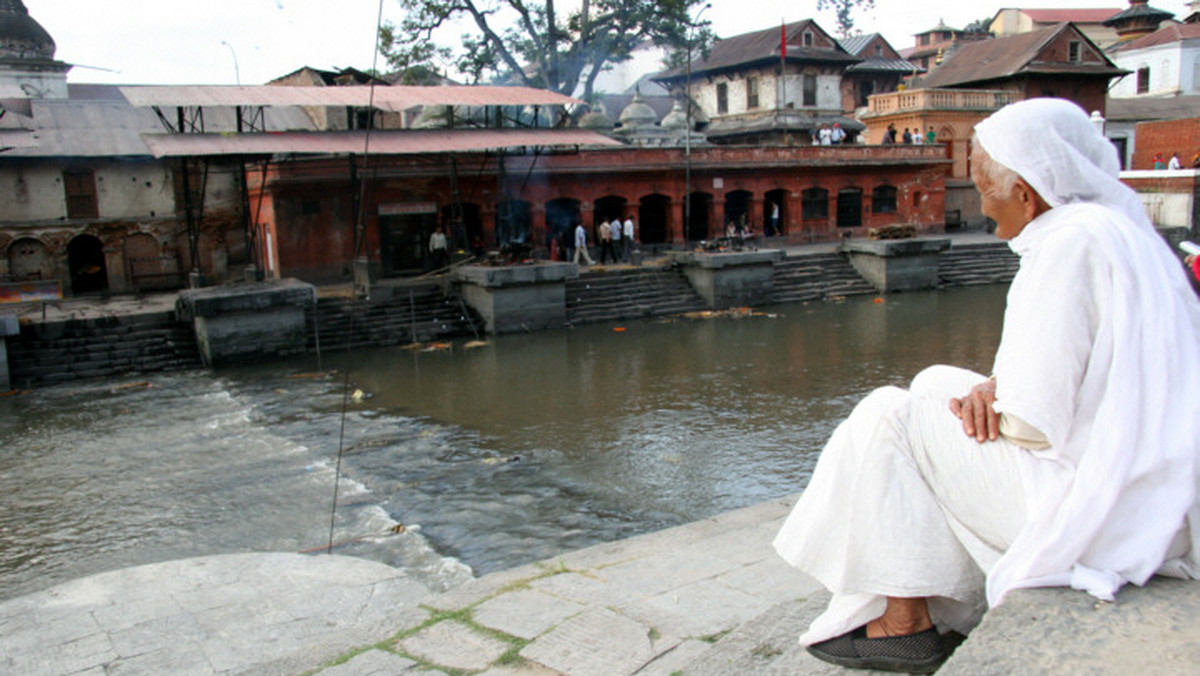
(1076, 463)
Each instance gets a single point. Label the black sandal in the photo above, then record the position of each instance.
(919, 653)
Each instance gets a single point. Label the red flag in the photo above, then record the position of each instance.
(782, 41)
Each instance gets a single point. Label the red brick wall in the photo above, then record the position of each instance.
(1166, 137)
(312, 240)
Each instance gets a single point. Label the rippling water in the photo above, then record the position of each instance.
(489, 457)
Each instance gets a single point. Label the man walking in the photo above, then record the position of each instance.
(581, 247)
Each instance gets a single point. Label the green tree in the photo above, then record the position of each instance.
(528, 42)
(842, 9)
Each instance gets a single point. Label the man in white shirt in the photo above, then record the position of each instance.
(628, 238)
(581, 245)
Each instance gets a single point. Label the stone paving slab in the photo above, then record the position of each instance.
(210, 615)
(647, 605)
(455, 645)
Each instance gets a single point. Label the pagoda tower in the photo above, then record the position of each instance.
(27, 55)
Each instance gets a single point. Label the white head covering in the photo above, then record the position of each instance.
(1069, 162)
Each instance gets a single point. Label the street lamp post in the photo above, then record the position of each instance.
(687, 138)
(237, 75)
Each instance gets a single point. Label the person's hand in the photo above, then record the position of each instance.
(1187, 260)
(979, 419)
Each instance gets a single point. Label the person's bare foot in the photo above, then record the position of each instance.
(903, 616)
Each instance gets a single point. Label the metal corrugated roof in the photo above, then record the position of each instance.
(107, 126)
(16, 138)
(382, 142)
(394, 98)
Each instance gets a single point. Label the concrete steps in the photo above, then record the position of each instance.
(972, 264)
(817, 277)
(427, 314)
(608, 295)
(104, 347)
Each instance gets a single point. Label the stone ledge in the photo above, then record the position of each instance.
(716, 261)
(510, 275)
(895, 247)
(1152, 629)
(230, 298)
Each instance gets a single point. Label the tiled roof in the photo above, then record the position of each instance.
(1163, 36)
(856, 43)
(1135, 12)
(1004, 57)
(1074, 15)
(759, 47)
(889, 65)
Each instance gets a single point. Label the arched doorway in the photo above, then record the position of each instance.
(653, 215)
(606, 209)
(562, 215)
(774, 213)
(514, 220)
(609, 207)
(29, 260)
(700, 206)
(737, 211)
(85, 261)
(460, 234)
(145, 265)
(849, 208)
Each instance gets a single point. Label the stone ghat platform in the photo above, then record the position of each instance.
(703, 599)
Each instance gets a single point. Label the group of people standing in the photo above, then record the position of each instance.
(828, 135)
(911, 136)
(616, 241)
(1174, 163)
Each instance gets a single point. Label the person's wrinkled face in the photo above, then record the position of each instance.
(1005, 207)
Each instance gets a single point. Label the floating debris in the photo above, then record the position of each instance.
(472, 344)
(436, 347)
(143, 385)
(878, 300)
(618, 329)
(735, 313)
(300, 376)
(358, 396)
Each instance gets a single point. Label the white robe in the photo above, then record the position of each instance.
(1100, 352)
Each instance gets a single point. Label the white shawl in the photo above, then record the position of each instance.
(1117, 388)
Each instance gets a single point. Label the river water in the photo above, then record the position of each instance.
(460, 461)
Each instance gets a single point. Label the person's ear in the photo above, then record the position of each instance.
(1032, 204)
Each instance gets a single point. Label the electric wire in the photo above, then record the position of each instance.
(359, 245)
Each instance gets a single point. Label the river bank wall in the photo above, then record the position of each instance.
(121, 337)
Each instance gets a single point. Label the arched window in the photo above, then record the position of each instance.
(814, 204)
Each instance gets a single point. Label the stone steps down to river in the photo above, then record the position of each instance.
(971, 264)
(427, 314)
(104, 347)
(629, 294)
(815, 277)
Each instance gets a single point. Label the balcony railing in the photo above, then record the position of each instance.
(939, 99)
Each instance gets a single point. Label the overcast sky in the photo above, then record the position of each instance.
(224, 41)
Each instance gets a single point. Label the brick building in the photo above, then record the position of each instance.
(823, 193)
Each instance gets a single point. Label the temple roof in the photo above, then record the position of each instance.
(21, 36)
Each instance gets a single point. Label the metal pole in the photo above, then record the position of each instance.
(687, 139)
(687, 145)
